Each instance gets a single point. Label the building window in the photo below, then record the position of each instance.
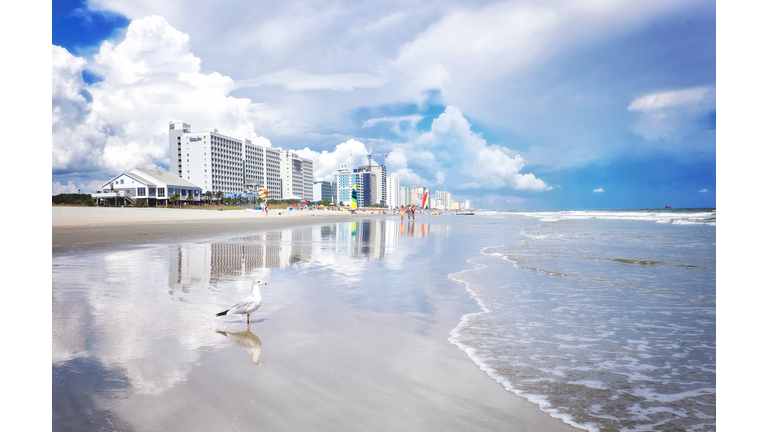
(121, 181)
(151, 192)
(141, 191)
(161, 192)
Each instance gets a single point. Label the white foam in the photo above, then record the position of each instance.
(679, 218)
(597, 385)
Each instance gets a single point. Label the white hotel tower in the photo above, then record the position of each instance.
(216, 162)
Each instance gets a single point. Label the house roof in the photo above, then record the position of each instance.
(129, 174)
(163, 177)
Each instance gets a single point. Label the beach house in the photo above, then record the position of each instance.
(154, 186)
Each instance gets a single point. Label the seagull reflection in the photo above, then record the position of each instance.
(247, 341)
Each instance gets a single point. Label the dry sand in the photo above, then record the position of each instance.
(84, 226)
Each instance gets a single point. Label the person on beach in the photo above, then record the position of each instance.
(266, 210)
(402, 213)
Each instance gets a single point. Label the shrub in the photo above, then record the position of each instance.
(73, 199)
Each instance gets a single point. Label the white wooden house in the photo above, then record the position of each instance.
(153, 185)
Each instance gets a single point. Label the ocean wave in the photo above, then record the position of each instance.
(679, 217)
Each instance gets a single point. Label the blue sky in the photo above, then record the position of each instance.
(511, 104)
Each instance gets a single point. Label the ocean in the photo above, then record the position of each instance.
(605, 320)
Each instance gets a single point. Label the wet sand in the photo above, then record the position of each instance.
(370, 355)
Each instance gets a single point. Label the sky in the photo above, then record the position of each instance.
(524, 105)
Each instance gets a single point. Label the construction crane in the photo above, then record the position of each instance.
(370, 155)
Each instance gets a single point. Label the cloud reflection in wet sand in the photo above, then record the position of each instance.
(142, 311)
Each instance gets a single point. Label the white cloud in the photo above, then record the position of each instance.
(466, 159)
(686, 97)
(351, 153)
(395, 52)
(672, 114)
(703, 191)
(598, 190)
(150, 78)
(291, 69)
(450, 156)
(411, 121)
(88, 187)
(296, 80)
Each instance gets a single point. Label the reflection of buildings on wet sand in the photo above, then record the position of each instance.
(374, 239)
(205, 264)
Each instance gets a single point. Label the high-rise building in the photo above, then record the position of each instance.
(381, 190)
(296, 173)
(393, 192)
(441, 201)
(217, 162)
(405, 195)
(417, 194)
(368, 186)
(324, 191)
(345, 181)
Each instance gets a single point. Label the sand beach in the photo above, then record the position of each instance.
(352, 335)
(81, 226)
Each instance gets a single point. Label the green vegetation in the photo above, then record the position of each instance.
(74, 199)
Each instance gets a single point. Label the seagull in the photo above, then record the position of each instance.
(247, 305)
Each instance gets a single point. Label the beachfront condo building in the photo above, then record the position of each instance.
(297, 176)
(368, 186)
(405, 196)
(380, 171)
(324, 191)
(393, 192)
(417, 194)
(441, 201)
(217, 162)
(346, 180)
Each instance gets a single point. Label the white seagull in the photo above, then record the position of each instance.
(247, 305)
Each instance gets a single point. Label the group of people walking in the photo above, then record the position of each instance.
(409, 210)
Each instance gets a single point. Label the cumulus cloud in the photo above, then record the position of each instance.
(598, 190)
(672, 114)
(449, 156)
(149, 79)
(466, 160)
(72, 187)
(351, 153)
(703, 191)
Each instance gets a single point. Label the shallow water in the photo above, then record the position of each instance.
(606, 322)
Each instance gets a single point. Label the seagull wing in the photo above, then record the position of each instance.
(244, 306)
